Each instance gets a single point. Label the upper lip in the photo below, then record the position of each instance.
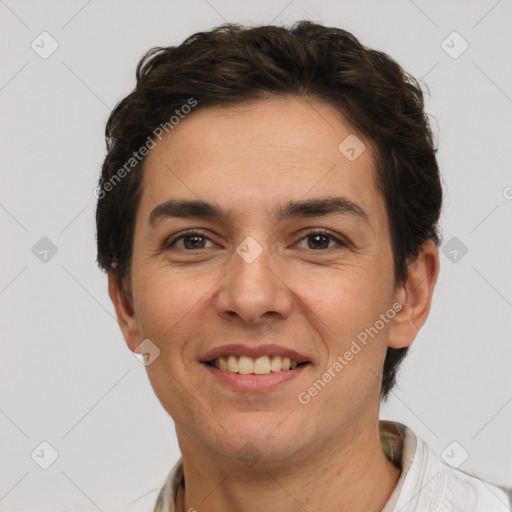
(253, 352)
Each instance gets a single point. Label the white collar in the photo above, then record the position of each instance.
(426, 482)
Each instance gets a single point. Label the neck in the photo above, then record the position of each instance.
(346, 473)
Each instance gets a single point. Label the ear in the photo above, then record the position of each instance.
(124, 312)
(415, 296)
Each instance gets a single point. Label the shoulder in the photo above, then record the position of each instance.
(469, 493)
(428, 482)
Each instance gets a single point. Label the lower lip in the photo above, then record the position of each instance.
(255, 383)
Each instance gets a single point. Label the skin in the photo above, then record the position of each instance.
(323, 456)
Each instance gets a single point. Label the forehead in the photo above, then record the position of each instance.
(251, 157)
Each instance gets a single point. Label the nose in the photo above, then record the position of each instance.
(253, 290)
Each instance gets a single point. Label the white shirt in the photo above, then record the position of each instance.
(426, 483)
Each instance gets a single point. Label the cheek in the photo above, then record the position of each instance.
(183, 400)
(169, 314)
(344, 306)
(340, 298)
(166, 298)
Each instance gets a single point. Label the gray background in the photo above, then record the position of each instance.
(67, 377)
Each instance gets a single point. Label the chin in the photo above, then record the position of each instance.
(259, 437)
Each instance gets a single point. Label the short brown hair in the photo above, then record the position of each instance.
(231, 64)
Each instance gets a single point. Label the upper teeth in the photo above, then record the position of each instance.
(259, 366)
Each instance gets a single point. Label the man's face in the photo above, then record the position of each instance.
(253, 279)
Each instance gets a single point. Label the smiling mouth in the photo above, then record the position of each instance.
(254, 366)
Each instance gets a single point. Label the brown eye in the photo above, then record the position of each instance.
(189, 242)
(193, 242)
(318, 240)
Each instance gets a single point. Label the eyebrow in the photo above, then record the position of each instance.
(185, 208)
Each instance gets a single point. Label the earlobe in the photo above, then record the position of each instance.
(415, 295)
(124, 312)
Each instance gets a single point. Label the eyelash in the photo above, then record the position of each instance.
(312, 231)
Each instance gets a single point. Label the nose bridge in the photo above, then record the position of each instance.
(252, 288)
